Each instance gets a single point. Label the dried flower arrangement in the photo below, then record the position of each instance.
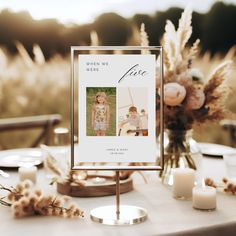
(26, 201)
(228, 187)
(188, 98)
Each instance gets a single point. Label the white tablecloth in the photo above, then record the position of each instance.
(166, 216)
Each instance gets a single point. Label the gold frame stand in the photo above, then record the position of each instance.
(118, 214)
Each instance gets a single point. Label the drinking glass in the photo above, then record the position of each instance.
(230, 163)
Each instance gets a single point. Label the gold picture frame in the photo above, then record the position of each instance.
(76, 50)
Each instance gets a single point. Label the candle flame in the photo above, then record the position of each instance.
(80, 177)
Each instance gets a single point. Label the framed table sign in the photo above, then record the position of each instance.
(113, 108)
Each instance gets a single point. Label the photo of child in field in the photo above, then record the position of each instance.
(133, 118)
(101, 111)
(100, 114)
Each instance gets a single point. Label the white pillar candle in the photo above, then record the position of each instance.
(28, 172)
(183, 183)
(204, 198)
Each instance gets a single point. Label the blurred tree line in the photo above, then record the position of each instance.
(215, 29)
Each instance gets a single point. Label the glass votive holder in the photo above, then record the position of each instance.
(204, 198)
(61, 136)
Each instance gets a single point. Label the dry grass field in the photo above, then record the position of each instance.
(35, 87)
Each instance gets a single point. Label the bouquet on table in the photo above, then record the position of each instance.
(188, 99)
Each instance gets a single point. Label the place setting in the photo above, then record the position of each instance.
(215, 150)
(14, 158)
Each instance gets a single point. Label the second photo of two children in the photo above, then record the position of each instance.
(121, 111)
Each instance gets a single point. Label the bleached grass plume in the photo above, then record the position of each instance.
(24, 54)
(194, 50)
(94, 38)
(170, 46)
(3, 60)
(174, 42)
(231, 53)
(38, 55)
(184, 31)
(144, 39)
(217, 79)
(94, 41)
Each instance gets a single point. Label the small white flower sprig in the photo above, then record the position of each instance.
(26, 201)
(227, 186)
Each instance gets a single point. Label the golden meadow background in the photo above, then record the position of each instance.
(35, 69)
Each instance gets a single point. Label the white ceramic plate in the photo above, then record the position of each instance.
(14, 158)
(215, 150)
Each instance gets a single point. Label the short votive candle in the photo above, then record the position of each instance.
(183, 183)
(204, 197)
(28, 172)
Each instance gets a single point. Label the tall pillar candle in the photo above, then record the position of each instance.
(183, 183)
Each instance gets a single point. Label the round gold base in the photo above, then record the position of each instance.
(129, 215)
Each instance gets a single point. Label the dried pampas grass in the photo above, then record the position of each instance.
(185, 29)
(178, 69)
(94, 41)
(193, 52)
(174, 41)
(144, 39)
(216, 80)
(169, 41)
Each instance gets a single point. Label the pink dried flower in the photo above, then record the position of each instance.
(174, 94)
(185, 79)
(196, 99)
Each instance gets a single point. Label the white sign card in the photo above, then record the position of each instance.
(116, 108)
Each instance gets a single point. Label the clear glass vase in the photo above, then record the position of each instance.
(181, 150)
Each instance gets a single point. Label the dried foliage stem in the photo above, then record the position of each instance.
(26, 201)
(4, 203)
